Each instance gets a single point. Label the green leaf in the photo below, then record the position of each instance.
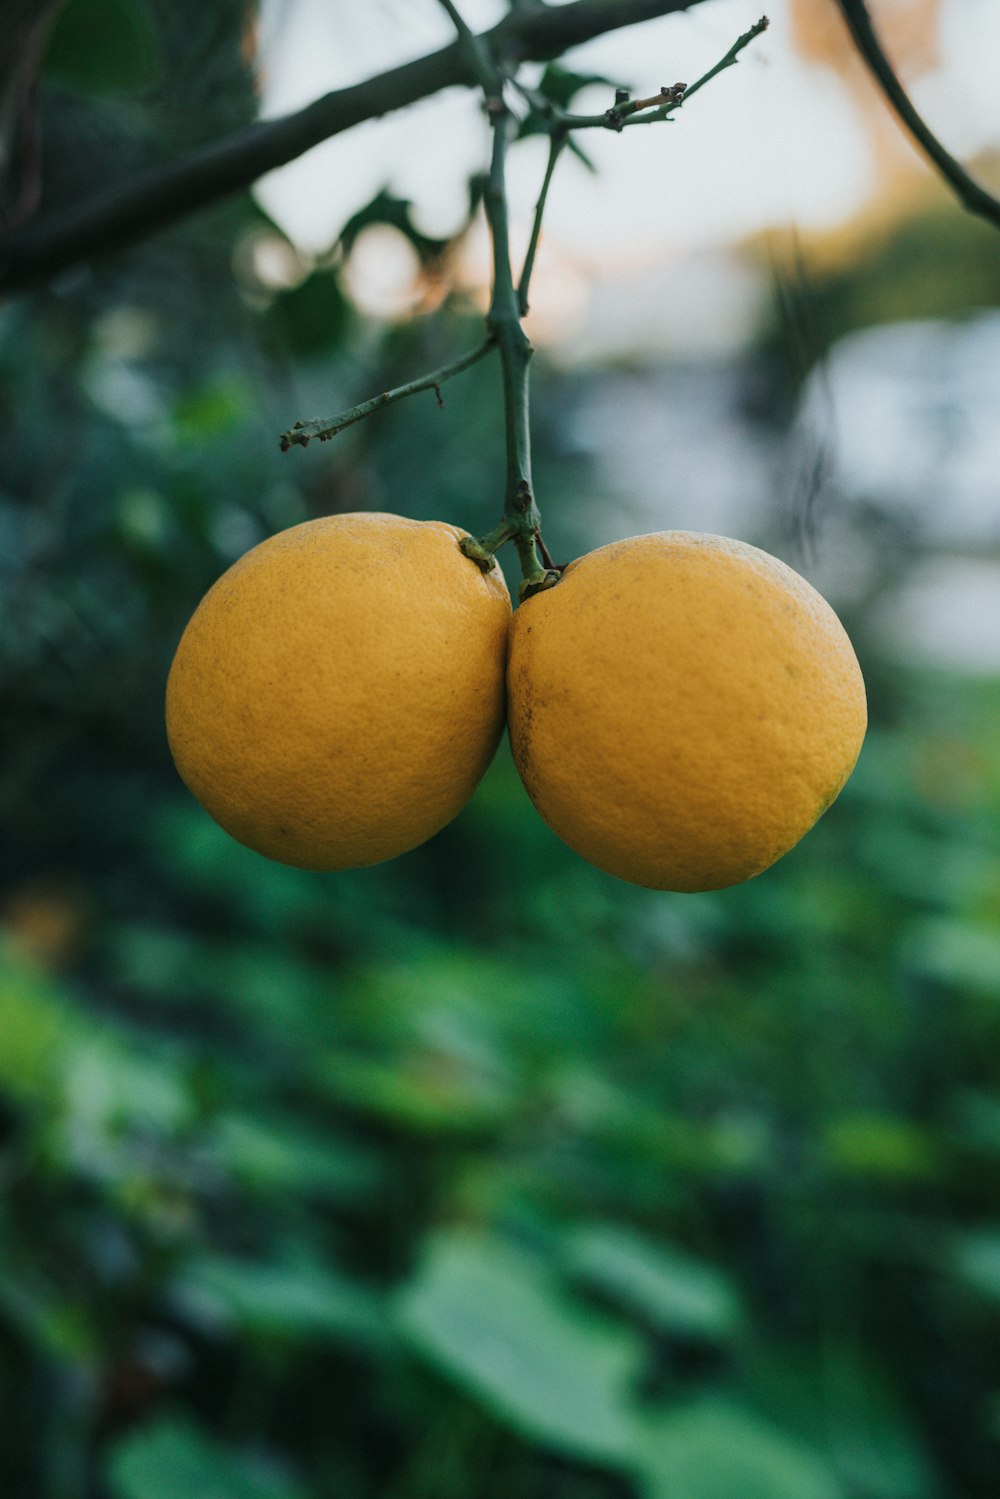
(957, 953)
(882, 1147)
(492, 1320)
(271, 1154)
(715, 1450)
(561, 85)
(213, 409)
(291, 1300)
(977, 1259)
(844, 1402)
(172, 1459)
(665, 1287)
(875, 1445)
(384, 208)
(103, 46)
(39, 1032)
(423, 1093)
(977, 1116)
(312, 318)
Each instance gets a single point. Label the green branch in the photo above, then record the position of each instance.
(490, 80)
(731, 58)
(557, 139)
(670, 98)
(302, 433)
(521, 522)
(975, 198)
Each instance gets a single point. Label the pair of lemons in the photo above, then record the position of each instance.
(681, 707)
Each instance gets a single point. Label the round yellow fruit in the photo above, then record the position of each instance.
(339, 692)
(682, 708)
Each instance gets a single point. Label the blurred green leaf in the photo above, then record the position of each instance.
(312, 318)
(274, 986)
(879, 1146)
(103, 46)
(111, 1086)
(977, 1116)
(271, 1154)
(173, 1459)
(958, 953)
(300, 1300)
(714, 1450)
(977, 1260)
(38, 1027)
(385, 208)
(493, 1320)
(561, 84)
(424, 1092)
(212, 410)
(843, 1402)
(672, 1291)
(874, 1442)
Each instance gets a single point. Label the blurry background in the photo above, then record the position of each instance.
(481, 1173)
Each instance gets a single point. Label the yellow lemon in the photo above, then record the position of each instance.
(339, 692)
(682, 708)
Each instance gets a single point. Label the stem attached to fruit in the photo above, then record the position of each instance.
(509, 304)
(521, 522)
(504, 322)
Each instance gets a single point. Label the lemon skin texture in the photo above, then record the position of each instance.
(682, 708)
(339, 692)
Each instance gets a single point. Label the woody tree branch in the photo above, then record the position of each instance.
(132, 211)
(859, 23)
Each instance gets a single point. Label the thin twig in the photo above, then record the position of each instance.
(557, 140)
(731, 58)
(520, 522)
(975, 198)
(302, 433)
(670, 97)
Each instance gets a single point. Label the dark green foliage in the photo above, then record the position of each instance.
(385, 208)
(313, 318)
(103, 46)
